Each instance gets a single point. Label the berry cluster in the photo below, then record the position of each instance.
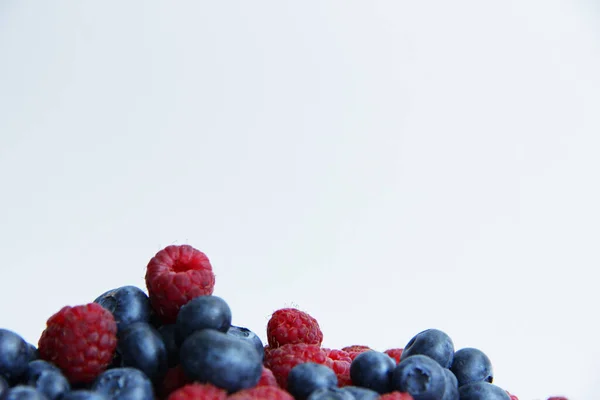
(177, 342)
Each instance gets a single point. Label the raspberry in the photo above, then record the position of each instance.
(395, 354)
(174, 276)
(396, 396)
(80, 340)
(290, 325)
(174, 379)
(355, 350)
(557, 398)
(512, 396)
(282, 359)
(340, 363)
(196, 391)
(261, 393)
(342, 371)
(338, 355)
(267, 378)
(267, 349)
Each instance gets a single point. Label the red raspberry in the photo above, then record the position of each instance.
(340, 363)
(267, 349)
(80, 340)
(395, 354)
(267, 378)
(356, 347)
(196, 391)
(355, 350)
(396, 396)
(557, 398)
(261, 393)
(174, 276)
(174, 379)
(290, 325)
(512, 396)
(338, 355)
(282, 359)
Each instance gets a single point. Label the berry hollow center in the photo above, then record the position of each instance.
(180, 266)
(418, 382)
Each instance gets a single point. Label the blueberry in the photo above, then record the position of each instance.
(35, 368)
(451, 386)
(215, 357)
(124, 384)
(472, 365)
(47, 379)
(451, 378)
(84, 395)
(15, 353)
(361, 393)
(331, 394)
(22, 392)
(248, 335)
(141, 346)
(307, 377)
(203, 312)
(482, 391)
(34, 354)
(372, 369)
(432, 343)
(168, 333)
(3, 385)
(155, 319)
(421, 376)
(128, 304)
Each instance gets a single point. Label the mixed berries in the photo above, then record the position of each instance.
(177, 342)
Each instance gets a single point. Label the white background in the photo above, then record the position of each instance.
(386, 166)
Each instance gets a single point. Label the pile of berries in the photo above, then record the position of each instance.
(177, 342)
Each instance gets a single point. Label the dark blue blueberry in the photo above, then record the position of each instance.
(372, 369)
(168, 333)
(124, 384)
(421, 376)
(128, 304)
(84, 395)
(451, 390)
(34, 354)
(472, 365)
(14, 355)
(248, 335)
(432, 343)
(22, 392)
(361, 393)
(450, 377)
(203, 312)
(305, 378)
(141, 346)
(482, 391)
(47, 379)
(155, 319)
(3, 385)
(215, 357)
(331, 394)
(35, 368)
